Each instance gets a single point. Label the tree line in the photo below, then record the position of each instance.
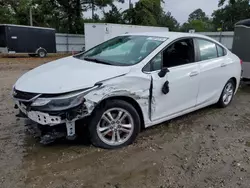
(67, 16)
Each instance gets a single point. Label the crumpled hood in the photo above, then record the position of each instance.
(65, 75)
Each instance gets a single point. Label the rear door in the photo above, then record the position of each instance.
(213, 71)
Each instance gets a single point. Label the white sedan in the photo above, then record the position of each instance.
(128, 83)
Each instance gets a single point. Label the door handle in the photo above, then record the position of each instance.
(194, 73)
(223, 65)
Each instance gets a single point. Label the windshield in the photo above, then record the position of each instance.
(123, 50)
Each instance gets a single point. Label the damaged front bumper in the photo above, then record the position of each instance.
(46, 115)
(53, 121)
(39, 117)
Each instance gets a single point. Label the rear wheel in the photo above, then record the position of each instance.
(113, 125)
(42, 53)
(227, 94)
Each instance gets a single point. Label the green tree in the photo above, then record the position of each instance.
(222, 2)
(227, 16)
(145, 12)
(18, 11)
(113, 16)
(198, 21)
(64, 15)
(167, 20)
(198, 25)
(6, 15)
(198, 14)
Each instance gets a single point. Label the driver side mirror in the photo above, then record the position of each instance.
(163, 72)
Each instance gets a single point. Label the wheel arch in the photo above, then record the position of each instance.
(235, 80)
(129, 100)
(40, 48)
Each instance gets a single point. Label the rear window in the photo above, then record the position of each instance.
(221, 51)
(207, 49)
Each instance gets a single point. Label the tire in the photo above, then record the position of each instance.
(127, 128)
(42, 53)
(229, 93)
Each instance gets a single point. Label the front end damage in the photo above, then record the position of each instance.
(56, 111)
(55, 114)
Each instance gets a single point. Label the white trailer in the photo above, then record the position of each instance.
(96, 33)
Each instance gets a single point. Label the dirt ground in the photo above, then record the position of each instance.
(207, 148)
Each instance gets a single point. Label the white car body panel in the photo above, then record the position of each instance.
(65, 75)
(183, 91)
(214, 75)
(133, 85)
(187, 92)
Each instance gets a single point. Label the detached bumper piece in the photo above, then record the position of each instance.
(56, 125)
(44, 118)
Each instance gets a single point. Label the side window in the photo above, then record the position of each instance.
(179, 53)
(208, 50)
(155, 64)
(220, 51)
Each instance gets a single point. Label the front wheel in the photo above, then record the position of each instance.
(114, 124)
(227, 94)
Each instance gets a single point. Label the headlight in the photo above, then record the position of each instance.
(63, 102)
(40, 102)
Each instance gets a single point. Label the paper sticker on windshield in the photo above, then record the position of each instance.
(161, 39)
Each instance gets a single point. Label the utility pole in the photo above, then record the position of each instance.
(222, 25)
(130, 4)
(93, 9)
(31, 19)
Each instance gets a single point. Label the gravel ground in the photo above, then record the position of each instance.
(207, 148)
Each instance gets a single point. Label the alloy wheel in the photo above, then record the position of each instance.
(115, 126)
(228, 93)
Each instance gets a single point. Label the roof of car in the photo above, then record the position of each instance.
(170, 35)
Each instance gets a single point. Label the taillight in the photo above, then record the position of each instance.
(241, 62)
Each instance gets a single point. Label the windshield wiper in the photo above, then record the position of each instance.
(97, 60)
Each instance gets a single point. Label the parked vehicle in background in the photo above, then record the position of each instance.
(130, 82)
(19, 39)
(97, 33)
(241, 45)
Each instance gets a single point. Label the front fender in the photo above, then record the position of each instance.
(137, 88)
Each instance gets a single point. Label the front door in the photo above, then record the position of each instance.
(182, 80)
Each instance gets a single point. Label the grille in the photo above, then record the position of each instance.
(24, 95)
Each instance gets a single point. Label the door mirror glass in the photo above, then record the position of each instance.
(163, 72)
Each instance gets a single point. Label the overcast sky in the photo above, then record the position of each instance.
(180, 9)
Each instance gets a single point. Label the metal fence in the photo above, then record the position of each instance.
(69, 43)
(225, 38)
(75, 43)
